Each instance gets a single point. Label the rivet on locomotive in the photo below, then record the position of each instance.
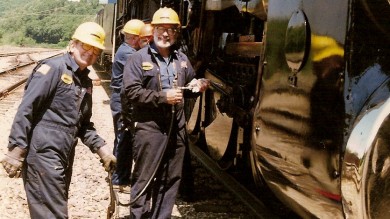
(300, 99)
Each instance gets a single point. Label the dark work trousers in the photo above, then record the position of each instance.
(46, 176)
(122, 143)
(148, 148)
(186, 189)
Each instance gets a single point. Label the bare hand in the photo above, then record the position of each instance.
(199, 85)
(174, 96)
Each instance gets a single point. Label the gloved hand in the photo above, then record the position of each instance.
(13, 161)
(107, 158)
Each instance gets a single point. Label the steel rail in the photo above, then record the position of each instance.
(22, 53)
(12, 87)
(14, 68)
(9, 89)
(257, 207)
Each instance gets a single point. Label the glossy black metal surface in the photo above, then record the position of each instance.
(308, 110)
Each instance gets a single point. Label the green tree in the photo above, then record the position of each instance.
(49, 22)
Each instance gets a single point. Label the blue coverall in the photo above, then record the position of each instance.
(122, 151)
(144, 80)
(55, 110)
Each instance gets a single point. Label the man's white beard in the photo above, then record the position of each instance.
(161, 43)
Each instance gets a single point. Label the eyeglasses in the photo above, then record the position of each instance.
(162, 30)
(87, 47)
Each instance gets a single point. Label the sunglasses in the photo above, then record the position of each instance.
(87, 47)
(170, 31)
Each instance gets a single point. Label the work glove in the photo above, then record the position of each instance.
(107, 158)
(13, 161)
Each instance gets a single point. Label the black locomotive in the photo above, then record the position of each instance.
(301, 89)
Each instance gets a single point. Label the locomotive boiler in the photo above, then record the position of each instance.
(301, 89)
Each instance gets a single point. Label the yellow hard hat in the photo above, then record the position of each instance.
(146, 30)
(133, 26)
(165, 16)
(90, 33)
(325, 46)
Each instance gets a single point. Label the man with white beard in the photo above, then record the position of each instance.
(152, 79)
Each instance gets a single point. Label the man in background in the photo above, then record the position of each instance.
(146, 35)
(122, 142)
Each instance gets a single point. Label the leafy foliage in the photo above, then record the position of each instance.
(49, 22)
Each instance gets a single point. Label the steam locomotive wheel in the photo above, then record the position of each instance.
(372, 183)
(214, 138)
(219, 133)
(376, 189)
(365, 178)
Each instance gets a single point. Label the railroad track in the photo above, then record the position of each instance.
(23, 52)
(16, 73)
(254, 204)
(16, 70)
(11, 101)
(11, 61)
(16, 62)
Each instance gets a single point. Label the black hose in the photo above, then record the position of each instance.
(159, 160)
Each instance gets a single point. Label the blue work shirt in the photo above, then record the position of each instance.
(121, 56)
(167, 69)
